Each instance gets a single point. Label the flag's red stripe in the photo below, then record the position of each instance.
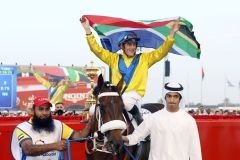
(120, 22)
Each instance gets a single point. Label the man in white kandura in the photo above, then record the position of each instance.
(174, 133)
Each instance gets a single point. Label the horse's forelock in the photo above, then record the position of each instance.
(111, 87)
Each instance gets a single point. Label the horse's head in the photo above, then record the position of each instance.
(109, 111)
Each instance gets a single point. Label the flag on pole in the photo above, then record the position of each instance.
(203, 74)
(152, 33)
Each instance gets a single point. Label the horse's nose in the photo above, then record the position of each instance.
(118, 143)
(117, 147)
(115, 140)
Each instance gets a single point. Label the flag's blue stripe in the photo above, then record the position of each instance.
(147, 40)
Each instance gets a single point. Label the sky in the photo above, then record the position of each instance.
(49, 32)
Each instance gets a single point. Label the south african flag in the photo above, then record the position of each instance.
(152, 33)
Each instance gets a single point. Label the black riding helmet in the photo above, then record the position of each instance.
(127, 36)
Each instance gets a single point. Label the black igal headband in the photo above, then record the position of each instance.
(173, 89)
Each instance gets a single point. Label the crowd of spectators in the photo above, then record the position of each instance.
(60, 111)
(10, 113)
(214, 111)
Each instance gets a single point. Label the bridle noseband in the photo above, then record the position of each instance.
(113, 124)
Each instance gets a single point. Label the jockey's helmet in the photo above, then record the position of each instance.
(127, 36)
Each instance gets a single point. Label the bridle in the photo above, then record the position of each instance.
(113, 124)
(103, 128)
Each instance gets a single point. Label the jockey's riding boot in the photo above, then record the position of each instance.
(136, 114)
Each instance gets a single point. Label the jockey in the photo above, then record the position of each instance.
(129, 65)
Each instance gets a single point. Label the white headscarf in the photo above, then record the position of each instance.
(173, 87)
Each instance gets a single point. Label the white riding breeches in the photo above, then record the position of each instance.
(130, 99)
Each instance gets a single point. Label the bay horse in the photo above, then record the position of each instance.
(110, 123)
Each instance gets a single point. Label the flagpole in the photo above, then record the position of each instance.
(225, 91)
(239, 88)
(165, 58)
(201, 91)
(202, 77)
(188, 91)
(166, 74)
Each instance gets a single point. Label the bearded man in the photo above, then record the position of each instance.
(42, 137)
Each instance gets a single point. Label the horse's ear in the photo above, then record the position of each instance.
(100, 81)
(120, 84)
